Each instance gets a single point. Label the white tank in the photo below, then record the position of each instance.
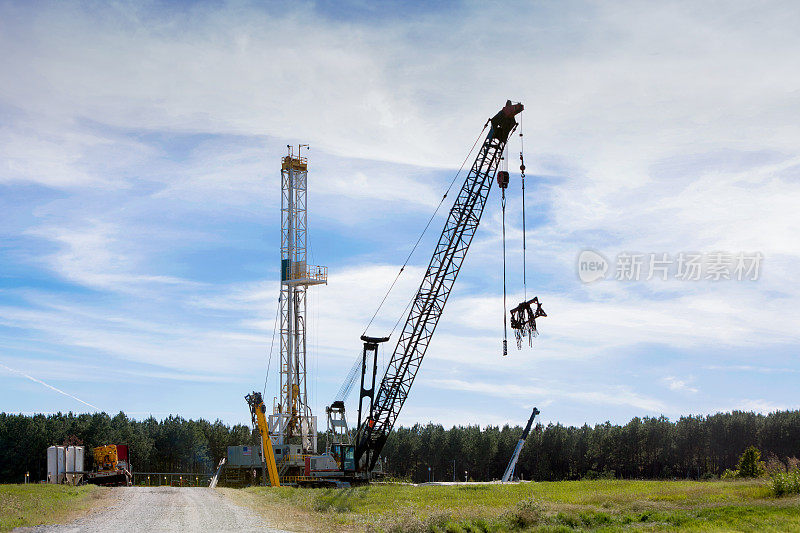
(63, 459)
(73, 463)
(55, 464)
(51, 464)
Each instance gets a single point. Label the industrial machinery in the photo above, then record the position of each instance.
(428, 305)
(291, 421)
(345, 461)
(512, 464)
(112, 466)
(257, 410)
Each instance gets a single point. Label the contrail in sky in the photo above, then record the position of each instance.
(49, 386)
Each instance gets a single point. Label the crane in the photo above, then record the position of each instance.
(257, 410)
(512, 464)
(383, 407)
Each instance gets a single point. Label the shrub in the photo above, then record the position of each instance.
(785, 483)
(750, 463)
(729, 474)
(774, 465)
(594, 474)
(527, 513)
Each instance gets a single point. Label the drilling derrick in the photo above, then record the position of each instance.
(292, 420)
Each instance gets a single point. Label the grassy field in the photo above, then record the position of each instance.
(558, 506)
(34, 504)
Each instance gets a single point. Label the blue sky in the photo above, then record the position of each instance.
(140, 146)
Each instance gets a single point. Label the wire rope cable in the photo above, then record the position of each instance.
(430, 220)
(524, 243)
(272, 343)
(505, 305)
(504, 164)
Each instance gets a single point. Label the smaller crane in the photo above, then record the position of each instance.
(512, 464)
(257, 410)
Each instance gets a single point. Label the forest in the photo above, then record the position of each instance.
(692, 447)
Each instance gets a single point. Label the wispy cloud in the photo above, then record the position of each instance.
(762, 406)
(617, 396)
(681, 385)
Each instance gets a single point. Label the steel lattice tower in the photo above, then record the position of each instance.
(292, 419)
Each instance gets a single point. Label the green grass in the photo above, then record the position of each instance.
(603, 505)
(35, 504)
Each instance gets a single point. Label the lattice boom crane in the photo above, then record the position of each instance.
(427, 307)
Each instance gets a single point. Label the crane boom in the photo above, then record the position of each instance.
(257, 410)
(512, 464)
(427, 307)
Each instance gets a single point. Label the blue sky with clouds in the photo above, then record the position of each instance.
(139, 192)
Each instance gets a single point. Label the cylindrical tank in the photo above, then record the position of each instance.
(74, 463)
(63, 459)
(52, 464)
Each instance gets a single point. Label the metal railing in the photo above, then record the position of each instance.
(171, 479)
(303, 273)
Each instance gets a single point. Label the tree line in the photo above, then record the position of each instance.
(693, 447)
(173, 444)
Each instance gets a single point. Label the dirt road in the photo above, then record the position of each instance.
(166, 509)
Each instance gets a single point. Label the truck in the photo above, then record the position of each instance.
(112, 466)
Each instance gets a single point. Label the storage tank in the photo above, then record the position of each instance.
(74, 463)
(52, 464)
(63, 459)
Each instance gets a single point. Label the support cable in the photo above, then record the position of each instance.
(347, 386)
(430, 220)
(502, 182)
(505, 306)
(524, 244)
(271, 344)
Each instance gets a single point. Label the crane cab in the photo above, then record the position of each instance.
(345, 455)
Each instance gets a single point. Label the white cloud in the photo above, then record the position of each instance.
(680, 385)
(662, 129)
(615, 396)
(98, 255)
(761, 406)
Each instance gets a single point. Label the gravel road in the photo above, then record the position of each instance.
(166, 509)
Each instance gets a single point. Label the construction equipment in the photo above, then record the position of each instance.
(512, 464)
(112, 466)
(257, 412)
(429, 303)
(345, 462)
